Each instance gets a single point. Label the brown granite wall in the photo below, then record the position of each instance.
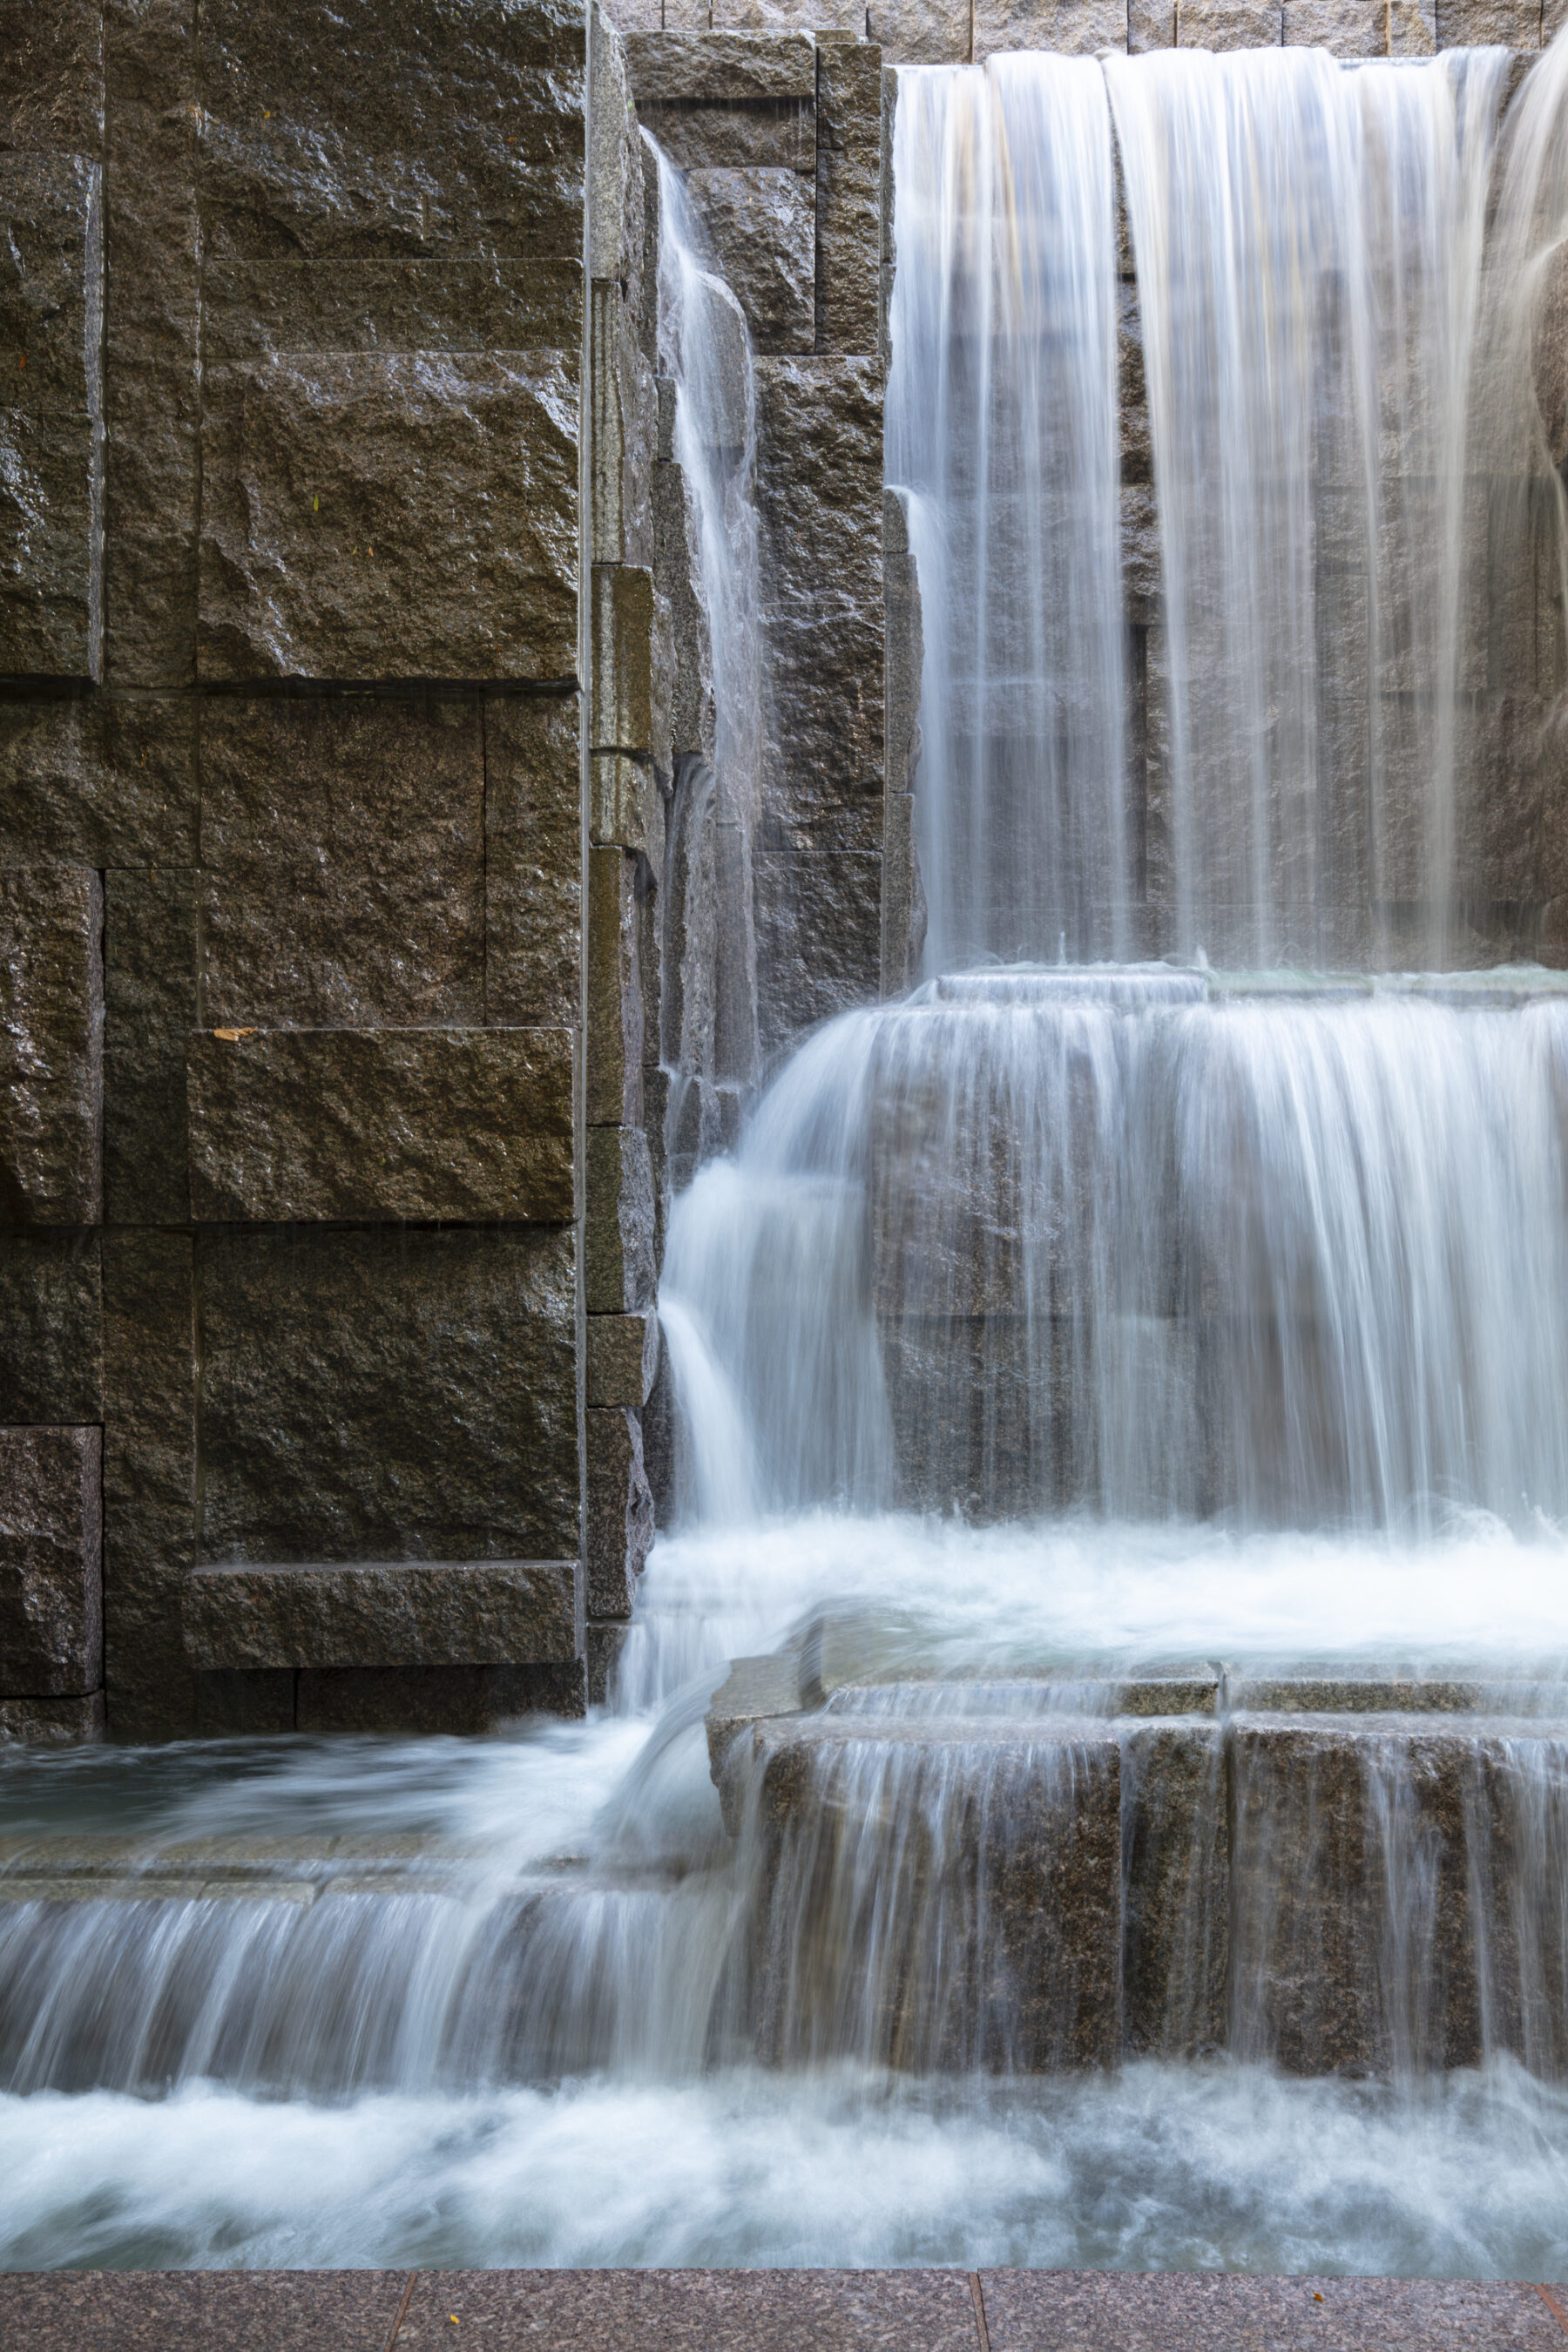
(307, 557)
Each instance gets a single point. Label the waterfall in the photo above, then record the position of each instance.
(1002, 427)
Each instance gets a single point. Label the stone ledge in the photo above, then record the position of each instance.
(423, 1125)
(720, 67)
(383, 1613)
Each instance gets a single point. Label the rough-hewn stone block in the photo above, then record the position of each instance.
(617, 1248)
(51, 479)
(820, 499)
(1229, 23)
(450, 1699)
(355, 129)
(149, 1479)
(51, 1314)
(99, 780)
(844, 17)
(1412, 27)
(1075, 27)
(615, 167)
(739, 134)
(51, 1587)
(920, 31)
(1174, 1863)
(149, 991)
(152, 342)
(389, 1395)
(51, 96)
(421, 1124)
(721, 66)
(51, 1046)
(621, 705)
(1151, 25)
(818, 938)
(848, 194)
(763, 228)
(52, 1722)
(1346, 29)
(615, 1042)
(622, 1359)
(620, 1527)
(342, 843)
(624, 427)
(1486, 24)
(385, 1613)
(532, 882)
(390, 515)
(626, 808)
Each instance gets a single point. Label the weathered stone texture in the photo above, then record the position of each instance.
(343, 864)
(51, 1316)
(1482, 24)
(626, 807)
(396, 515)
(421, 1124)
(615, 1041)
(1347, 28)
(338, 129)
(152, 342)
(1175, 1864)
(388, 1394)
(51, 486)
(450, 1699)
(51, 95)
(818, 938)
(624, 430)
(619, 1526)
(1229, 23)
(622, 1359)
(532, 887)
(843, 18)
(51, 1590)
(52, 1722)
(388, 1613)
(762, 225)
(920, 31)
(737, 134)
(621, 715)
(51, 1046)
(618, 1240)
(616, 196)
(99, 780)
(149, 1479)
(722, 66)
(848, 194)
(149, 990)
(1075, 27)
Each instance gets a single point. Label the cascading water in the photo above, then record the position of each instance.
(1122, 1400)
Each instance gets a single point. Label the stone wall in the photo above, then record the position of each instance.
(325, 1246)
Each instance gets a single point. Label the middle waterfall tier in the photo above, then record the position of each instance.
(1199, 505)
(1145, 1240)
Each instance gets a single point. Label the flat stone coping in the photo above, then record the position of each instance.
(769, 2311)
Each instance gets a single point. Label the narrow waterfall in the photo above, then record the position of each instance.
(1002, 431)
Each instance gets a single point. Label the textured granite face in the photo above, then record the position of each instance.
(1095, 2311)
(151, 992)
(51, 1046)
(51, 1564)
(51, 1311)
(618, 1237)
(618, 1527)
(392, 1614)
(722, 66)
(210, 2311)
(410, 1700)
(761, 226)
(695, 2310)
(533, 870)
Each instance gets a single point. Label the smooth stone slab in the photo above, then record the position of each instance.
(693, 2311)
(383, 1613)
(311, 1124)
(200, 2311)
(1111, 2311)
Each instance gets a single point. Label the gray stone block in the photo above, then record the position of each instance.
(388, 1394)
(614, 1040)
(383, 1613)
(51, 1046)
(1151, 25)
(818, 938)
(624, 430)
(420, 1125)
(275, 310)
(753, 1691)
(449, 1699)
(1229, 23)
(615, 167)
(742, 134)
(920, 31)
(676, 577)
(335, 130)
(52, 96)
(619, 1528)
(1346, 29)
(621, 715)
(1486, 24)
(820, 503)
(51, 458)
(604, 1644)
(369, 515)
(532, 873)
(149, 1479)
(99, 780)
(342, 843)
(150, 997)
(618, 1243)
(761, 226)
(1174, 1866)
(626, 808)
(51, 1312)
(52, 1722)
(622, 1359)
(153, 341)
(722, 66)
(837, 19)
(848, 196)
(1075, 27)
(51, 1562)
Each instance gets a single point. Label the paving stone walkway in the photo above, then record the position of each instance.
(768, 2310)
